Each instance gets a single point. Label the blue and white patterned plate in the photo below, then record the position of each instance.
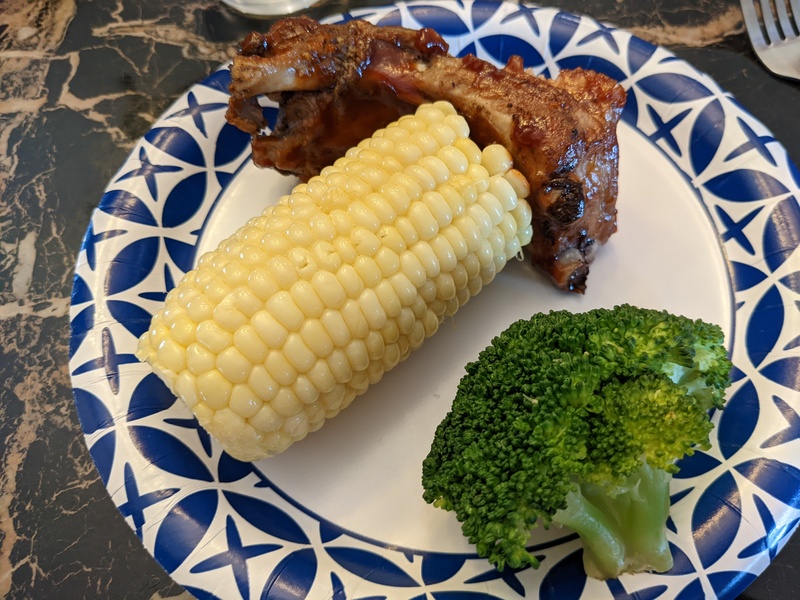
(709, 227)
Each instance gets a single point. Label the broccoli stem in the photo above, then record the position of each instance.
(644, 527)
(624, 529)
(603, 548)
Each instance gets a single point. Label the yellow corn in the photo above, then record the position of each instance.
(301, 309)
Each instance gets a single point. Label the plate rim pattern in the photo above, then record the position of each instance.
(200, 513)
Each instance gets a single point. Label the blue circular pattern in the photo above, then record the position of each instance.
(222, 529)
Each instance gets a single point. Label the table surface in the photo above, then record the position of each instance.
(82, 81)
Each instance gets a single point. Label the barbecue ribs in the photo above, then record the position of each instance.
(337, 84)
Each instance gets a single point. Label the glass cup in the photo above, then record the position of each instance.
(270, 8)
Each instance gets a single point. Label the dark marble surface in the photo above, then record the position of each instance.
(82, 80)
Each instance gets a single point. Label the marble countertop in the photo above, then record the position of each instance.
(82, 81)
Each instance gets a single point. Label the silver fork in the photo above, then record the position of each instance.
(774, 29)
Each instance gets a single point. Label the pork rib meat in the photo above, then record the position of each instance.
(337, 84)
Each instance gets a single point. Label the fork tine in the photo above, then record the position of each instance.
(768, 22)
(752, 23)
(783, 17)
(795, 4)
(777, 51)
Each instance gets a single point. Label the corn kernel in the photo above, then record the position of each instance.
(381, 207)
(391, 239)
(496, 159)
(405, 321)
(350, 281)
(226, 314)
(214, 390)
(406, 229)
(297, 353)
(266, 419)
(359, 383)
(438, 307)
(306, 299)
(412, 124)
(316, 415)
(388, 262)
(422, 220)
(445, 286)
(279, 368)
(285, 311)
(186, 387)
(316, 338)
(492, 207)
(340, 366)
(296, 426)
(321, 376)
(352, 315)
(444, 136)
(342, 220)
(183, 330)
(233, 365)
(244, 402)
(501, 189)
(470, 231)
(246, 301)
(416, 336)
(375, 345)
(335, 326)
(428, 294)
(262, 383)
(388, 298)
(322, 227)
(326, 256)
(271, 332)
(519, 183)
(420, 304)
(508, 227)
(199, 308)
(391, 356)
(333, 399)
(404, 287)
(357, 187)
(426, 255)
(305, 390)
(375, 176)
(410, 186)
(365, 241)
(479, 176)
(213, 337)
(430, 323)
(412, 268)
(372, 309)
(199, 359)
(302, 261)
(282, 271)
(357, 355)
(472, 265)
(261, 283)
(481, 218)
(444, 253)
(368, 271)
(395, 134)
(497, 241)
(235, 273)
(422, 176)
(216, 290)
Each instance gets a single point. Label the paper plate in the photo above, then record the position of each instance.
(709, 227)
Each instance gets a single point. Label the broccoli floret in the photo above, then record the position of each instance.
(578, 419)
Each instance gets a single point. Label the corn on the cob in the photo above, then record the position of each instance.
(301, 309)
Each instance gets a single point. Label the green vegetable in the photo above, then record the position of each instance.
(578, 419)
